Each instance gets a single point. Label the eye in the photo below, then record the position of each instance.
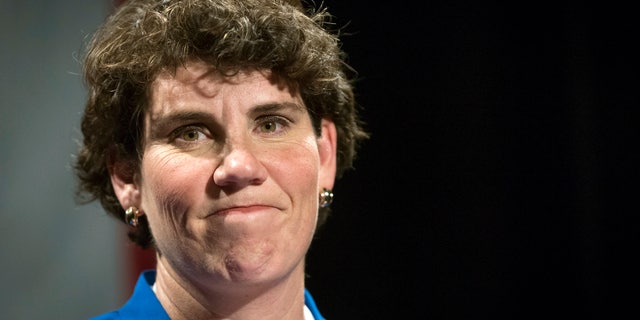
(272, 125)
(268, 127)
(191, 134)
(188, 135)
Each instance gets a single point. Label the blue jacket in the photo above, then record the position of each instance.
(143, 304)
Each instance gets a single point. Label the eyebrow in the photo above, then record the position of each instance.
(276, 106)
(159, 125)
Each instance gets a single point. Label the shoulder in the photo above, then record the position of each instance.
(143, 304)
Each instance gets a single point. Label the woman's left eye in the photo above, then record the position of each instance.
(269, 127)
(272, 125)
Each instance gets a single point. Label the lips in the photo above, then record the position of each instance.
(248, 209)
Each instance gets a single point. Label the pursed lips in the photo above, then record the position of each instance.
(242, 209)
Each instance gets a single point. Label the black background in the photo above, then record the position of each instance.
(501, 178)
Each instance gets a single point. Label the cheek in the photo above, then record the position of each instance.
(296, 173)
(161, 173)
(169, 187)
(295, 168)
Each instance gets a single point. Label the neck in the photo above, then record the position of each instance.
(189, 298)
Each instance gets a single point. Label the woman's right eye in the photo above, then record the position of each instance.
(188, 134)
(191, 135)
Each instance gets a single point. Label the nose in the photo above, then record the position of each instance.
(239, 167)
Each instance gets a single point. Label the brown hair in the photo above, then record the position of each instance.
(144, 37)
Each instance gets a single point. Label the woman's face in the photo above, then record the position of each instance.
(230, 175)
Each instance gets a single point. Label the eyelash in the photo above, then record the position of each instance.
(281, 121)
(282, 124)
(177, 135)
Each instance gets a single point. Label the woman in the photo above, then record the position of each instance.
(216, 129)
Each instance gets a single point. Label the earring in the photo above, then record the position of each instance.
(131, 216)
(326, 198)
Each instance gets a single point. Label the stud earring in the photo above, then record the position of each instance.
(326, 198)
(131, 216)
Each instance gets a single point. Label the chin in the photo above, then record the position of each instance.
(256, 271)
(245, 266)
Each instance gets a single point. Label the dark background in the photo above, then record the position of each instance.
(501, 178)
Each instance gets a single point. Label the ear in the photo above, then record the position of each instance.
(327, 149)
(122, 173)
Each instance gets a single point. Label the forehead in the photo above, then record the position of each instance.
(205, 80)
(197, 84)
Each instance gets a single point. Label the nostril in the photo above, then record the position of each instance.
(239, 168)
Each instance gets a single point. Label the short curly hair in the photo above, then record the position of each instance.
(146, 37)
